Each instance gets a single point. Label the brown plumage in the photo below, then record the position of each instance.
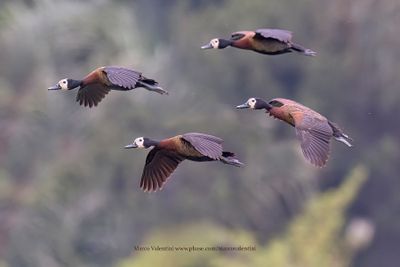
(166, 155)
(313, 130)
(94, 87)
(264, 41)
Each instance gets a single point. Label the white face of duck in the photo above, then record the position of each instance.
(213, 44)
(251, 103)
(139, 142)
(63, 84)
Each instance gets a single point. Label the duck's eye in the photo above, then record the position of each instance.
(64, 82)
(253, 101)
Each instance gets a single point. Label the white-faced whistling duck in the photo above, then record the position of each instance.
(166, 154)
(264, 41)
(94, 87)
(313, 130)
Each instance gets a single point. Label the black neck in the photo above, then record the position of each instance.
(149, 142)
(224, 43)
(72, 84)
(262, 104)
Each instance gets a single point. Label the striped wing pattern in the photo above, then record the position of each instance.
(208, 145)
(122, 77)
(90, 95)
(281, 35)
(160, 164)
(314, 136)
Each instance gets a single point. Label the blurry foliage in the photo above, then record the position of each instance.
(69, 192)
(313, 239)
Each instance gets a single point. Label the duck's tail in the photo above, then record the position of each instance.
(303, 50)
(230, 158)
(339, 135)
(151, 85)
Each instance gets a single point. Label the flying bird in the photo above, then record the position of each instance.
(166, 154)
(313, 130)
(94, 87)
(264, 41)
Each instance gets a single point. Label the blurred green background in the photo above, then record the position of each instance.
(69, 193)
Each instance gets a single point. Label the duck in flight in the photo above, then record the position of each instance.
(165, 155)
(94, 86)
(313, 130)
(264, 41)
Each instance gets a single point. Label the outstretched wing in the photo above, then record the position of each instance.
(122, 77)
(208, 145)
(277, 34)
(90, 95)
(159, 165)
(314, 134)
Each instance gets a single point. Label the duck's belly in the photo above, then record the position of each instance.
(271, 47)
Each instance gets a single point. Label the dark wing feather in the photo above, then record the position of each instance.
(314, 135)
(90, 95)
(159, 165)
(122, 77)
(237, 36)
(207, 145)
(280, 35)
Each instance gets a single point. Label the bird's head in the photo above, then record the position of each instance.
(66, 84)
(217, 43)
(255, 103)
(142, 142)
